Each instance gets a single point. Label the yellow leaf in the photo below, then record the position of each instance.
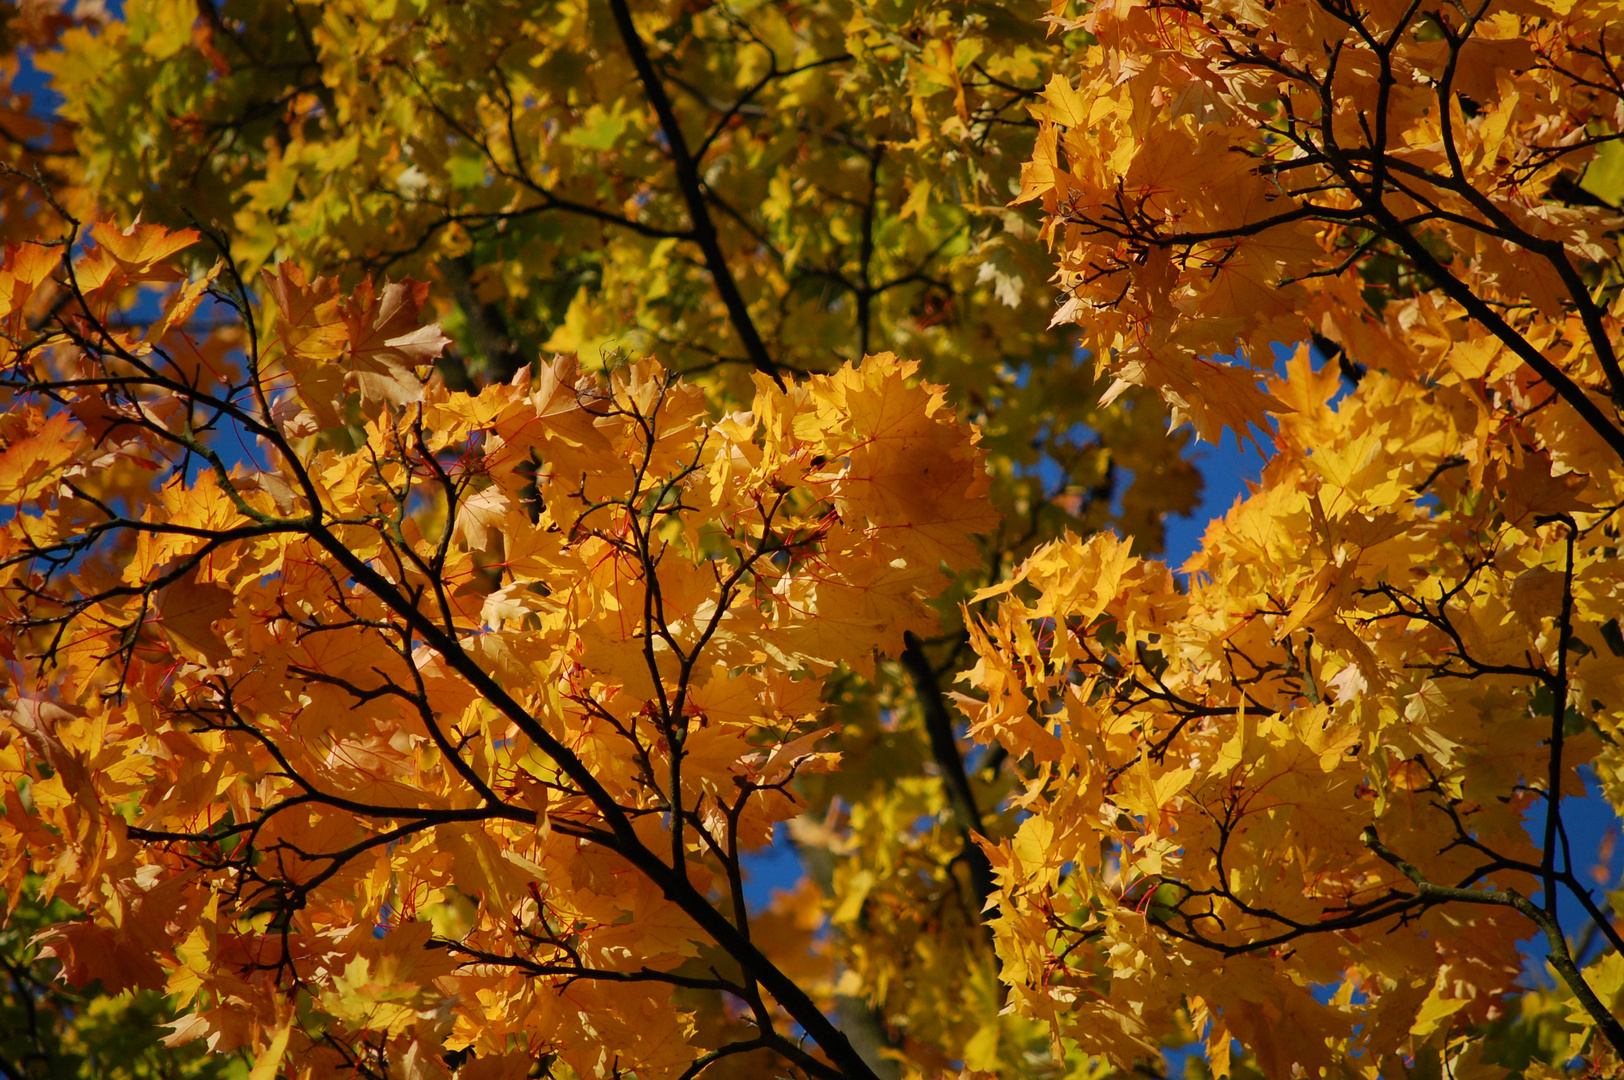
(269, 1060)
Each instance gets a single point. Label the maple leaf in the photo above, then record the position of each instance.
(187, 611)
(311, 333)
(387, 343)
(911, 469)
(31, 465)
(90, 953)
(132, 256)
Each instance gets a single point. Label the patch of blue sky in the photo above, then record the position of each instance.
(44, 101)
(1596, 846)
(777, 866)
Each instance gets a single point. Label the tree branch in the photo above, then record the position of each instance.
(1560, 958)
(944, 748)
(687, 168)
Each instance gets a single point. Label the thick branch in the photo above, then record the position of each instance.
(704, 230)
(1559, 720)
(486, 322)
(944, 747)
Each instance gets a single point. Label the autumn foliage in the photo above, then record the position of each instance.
(1311, 767)
(472, 512)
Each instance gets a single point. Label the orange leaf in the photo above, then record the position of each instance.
(132, 256)
(28, 467)
(187, 610)
(311, 338)
(387, 341)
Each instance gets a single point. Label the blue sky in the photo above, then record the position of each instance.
(1225, 470)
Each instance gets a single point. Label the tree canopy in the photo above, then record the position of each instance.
(477, 475)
